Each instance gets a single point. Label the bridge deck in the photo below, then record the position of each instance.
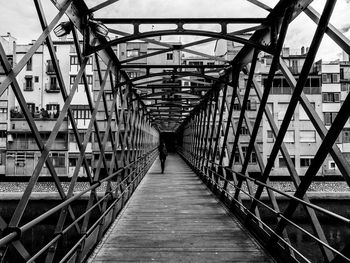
(172, 217)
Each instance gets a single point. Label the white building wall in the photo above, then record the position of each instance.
(34, 95)
(330, 68)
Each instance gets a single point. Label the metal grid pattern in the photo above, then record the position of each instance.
(201, 115)
(231, 184)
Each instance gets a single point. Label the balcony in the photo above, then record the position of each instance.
(28, 86)
(29, 144)
(52, 88)
(50, 70)
(42, 121)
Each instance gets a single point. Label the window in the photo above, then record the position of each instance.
(302, 113)
(132, 53)
(252, 159)
(72, 162)
(31, 107)
(270, 136)
(109, 96)
(305, 161)
(89, 61)
(294, 66)
(307, 136)
(58, 159)
(289, 137)
(335, 78)
(345, 73)
(270, 107)
(330, 77)
(53, 110)
(312, 85)
(169, 56)
(329, 117)
(346, 135)
(81, 111)
(36, 79)
(53, 83)
(28, 84)
(279, 85)
(72, 79)
(74, 60)
(326, 78)
(331, 97)
(89, 79)
(251, 105)
(345, 87)
(244, 130)
(332, 165)
(30, 64)
(282, 110)
(282, 162)
(236, 106)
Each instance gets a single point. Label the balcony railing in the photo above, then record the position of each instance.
(42, 114)
(52, 88)
(50, 68)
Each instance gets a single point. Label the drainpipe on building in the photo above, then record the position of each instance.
(42, 79)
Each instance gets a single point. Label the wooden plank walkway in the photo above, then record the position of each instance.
(172, 217)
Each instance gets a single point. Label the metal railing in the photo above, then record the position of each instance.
(125, 126)
(116, 197)
(216, 177)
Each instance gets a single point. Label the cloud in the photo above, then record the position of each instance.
(19, 17)
(345, 28)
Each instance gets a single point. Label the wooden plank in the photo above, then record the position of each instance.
(172, 217)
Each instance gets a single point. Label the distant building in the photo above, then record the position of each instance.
(8, 42)
(301, 138)
(335, 78)
(41, 90)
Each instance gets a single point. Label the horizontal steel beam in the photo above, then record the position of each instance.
(139, 21)
(219, 35)
(172, 87)
(148, 66)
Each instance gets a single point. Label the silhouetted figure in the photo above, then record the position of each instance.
(162, 155)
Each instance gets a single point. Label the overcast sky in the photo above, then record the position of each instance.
(19, 17)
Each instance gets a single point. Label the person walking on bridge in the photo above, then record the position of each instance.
(162, 155)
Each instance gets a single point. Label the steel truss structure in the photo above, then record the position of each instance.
(140, 110)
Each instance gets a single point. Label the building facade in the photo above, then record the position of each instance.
(326, 89)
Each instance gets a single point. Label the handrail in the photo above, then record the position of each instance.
(13, 235)
(207, 174)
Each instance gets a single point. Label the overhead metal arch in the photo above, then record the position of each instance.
(185, 74)
(138, 123)
(226, 36)
(170, 93)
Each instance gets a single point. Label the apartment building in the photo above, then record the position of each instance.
(41, 90)
(335, 77)
(326, 88)
(8, 42)
(301, 139)
(226, 51)
(153, 80)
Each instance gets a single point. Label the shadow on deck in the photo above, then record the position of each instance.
(172, 217)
